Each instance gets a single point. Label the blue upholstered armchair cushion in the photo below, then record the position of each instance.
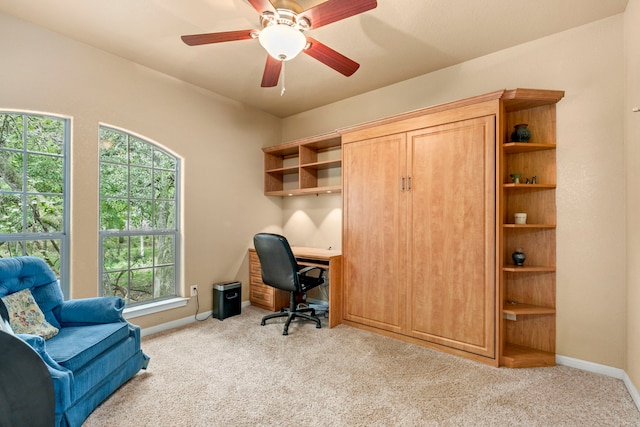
(90, 311)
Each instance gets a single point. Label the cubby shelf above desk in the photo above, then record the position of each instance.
(307, 166)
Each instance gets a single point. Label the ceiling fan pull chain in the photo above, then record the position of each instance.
(283, 88)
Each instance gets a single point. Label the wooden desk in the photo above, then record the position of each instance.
(269, 298)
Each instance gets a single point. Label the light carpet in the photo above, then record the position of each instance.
(237, 373)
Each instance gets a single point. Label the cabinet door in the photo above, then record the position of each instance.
(452, 235)
(374, 247)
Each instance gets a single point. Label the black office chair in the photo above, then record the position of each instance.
(281, 271)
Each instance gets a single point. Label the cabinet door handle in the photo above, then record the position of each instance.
(409, 184)
(402, 184)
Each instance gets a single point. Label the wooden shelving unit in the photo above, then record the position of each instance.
(529, 291)
(515, 356)
(307, 166)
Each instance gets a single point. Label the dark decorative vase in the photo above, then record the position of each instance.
(518, 257)
(521, 133)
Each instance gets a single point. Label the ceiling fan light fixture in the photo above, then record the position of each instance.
(282, 41)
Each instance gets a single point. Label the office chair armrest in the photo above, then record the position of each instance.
(305, 270)
(310, 282)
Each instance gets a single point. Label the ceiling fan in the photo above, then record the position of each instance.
(282, 34)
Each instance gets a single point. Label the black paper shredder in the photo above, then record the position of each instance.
(227, 299)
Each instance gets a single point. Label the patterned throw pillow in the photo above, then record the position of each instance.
(26, 317)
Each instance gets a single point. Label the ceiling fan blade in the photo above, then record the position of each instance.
(330, 57)
(228, 36)
(335, 10)
(262, 6)
(271, 72)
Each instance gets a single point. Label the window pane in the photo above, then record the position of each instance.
(164, 282)
(116, 284)
(45, 134)
(165, 216)
(44, 214)
(165, 184)
(32, 214)
(10, 214)
(11, 131)
(113, 146)
(141, 251)
(11, 167)
(11, 249)
(141, 215)
(116, 253)
(44, 174)
(114, 180)
(140, 152)
(141, 285)
(165, 249)
(138, 193)
(140, 186)
(113, 214)
(47, 250)
(164, 160)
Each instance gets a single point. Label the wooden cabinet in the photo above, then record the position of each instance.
(419, 229)
(428, 227)
(307, 166)
(529, 291)
(272, 299)
(451, 231)
(374, 236)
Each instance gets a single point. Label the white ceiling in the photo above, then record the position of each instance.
(398, 40)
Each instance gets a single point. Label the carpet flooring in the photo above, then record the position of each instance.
(237, 373)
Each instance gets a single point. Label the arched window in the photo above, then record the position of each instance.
(139, 206)
(34, 176)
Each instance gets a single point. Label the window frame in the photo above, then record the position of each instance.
(151, 231)
(24, 193)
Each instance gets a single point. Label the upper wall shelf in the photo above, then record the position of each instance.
(306, 166)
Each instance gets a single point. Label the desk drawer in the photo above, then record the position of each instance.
(254, 269)
(256, 282)
(261, 298)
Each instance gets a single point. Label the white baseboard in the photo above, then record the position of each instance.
(180, 322)
(604, 370)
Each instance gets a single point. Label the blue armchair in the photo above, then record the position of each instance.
(95, 350)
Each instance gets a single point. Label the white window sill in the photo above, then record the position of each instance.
(154, 307)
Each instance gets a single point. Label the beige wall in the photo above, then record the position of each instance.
(223, 204)
(586, 62)
(632, 156)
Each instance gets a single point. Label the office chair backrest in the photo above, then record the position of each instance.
(279, 266)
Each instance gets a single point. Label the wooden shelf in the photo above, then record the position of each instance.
(521, 309)
(532, 226)
(328, 164)
(516, 356)
(523, 98)
(283, 171)
(528, 269)
(529, 325)
(511, 186)
(312, 166)
(525, 147)
(305, 191)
